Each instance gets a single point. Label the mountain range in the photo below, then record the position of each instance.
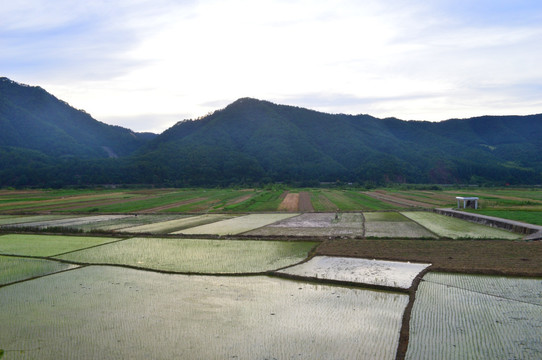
(46, 142)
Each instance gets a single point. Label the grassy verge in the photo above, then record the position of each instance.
(528, 216)
(266, 200)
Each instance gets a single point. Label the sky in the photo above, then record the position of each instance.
(147, 64)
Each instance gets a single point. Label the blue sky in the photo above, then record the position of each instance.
(147, 64)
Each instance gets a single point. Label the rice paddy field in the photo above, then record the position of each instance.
(394, 225)
(15, 269)
(47, 245)
(449, 227)
(476, 317)
(235, 273)
(170, 226)
(236, 225)
(315, 225)
(195, 255)
(390, 274)
(117, 313)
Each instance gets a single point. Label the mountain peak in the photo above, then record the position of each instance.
(246, 102)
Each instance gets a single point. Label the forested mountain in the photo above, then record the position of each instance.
(45, 142)
(252, 140)
(33, 119)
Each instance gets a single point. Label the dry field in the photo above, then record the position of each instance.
(290, 203)
(500, 257)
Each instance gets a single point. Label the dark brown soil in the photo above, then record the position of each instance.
(305, 204)
(499, 257)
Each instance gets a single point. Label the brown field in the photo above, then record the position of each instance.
(305, 204)
(290, 203)
(499, 257)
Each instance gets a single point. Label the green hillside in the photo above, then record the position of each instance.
(31, 118)
(45, 142)
(252, 139)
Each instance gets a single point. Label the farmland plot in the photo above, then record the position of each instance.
(72, 222)
(237, 225)
(454, 318)
(14, 269)
(196, 255)
(450, 227)
(46, 245)
(164, 227)
(116, 313)
(320, 224)
(364, 271)
(393, 225)
(17, 219)
(125, 222)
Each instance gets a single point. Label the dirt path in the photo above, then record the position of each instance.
(305, 204)
(290, 203)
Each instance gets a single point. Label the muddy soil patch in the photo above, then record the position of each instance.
(499, 257)
(305, 204)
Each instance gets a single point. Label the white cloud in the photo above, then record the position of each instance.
(129, 59)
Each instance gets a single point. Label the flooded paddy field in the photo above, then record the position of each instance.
(392, 274)
(388, 224)
(130, 295)
(14, 269)
(21, 219)
(315, 224)
(111, 312)
(125, 222)
(237, 225)
(172, 226)
(47, 245)
(477, 317)
(393, 225)
(446, 226)
(196, 255)
(70, 222)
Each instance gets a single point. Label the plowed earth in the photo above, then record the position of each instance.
(498, 257)
(290, 203)
(305, 204)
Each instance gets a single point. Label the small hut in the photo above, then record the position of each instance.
(468, 202)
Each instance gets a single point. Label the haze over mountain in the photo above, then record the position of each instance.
(254, 142)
